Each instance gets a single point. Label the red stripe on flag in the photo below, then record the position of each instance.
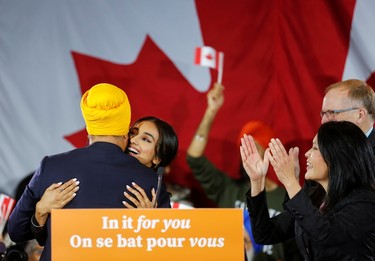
(197, 55)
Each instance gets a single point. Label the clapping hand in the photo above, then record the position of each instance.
(255, 167)
(285, 165)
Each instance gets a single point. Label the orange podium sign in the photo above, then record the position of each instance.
(147, 234)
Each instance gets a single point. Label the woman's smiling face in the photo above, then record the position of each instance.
(143, 139)
(317, 168)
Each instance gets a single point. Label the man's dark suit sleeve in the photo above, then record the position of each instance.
(19, 224)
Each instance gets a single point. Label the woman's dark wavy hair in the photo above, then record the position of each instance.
(167, 145)
(350, 160)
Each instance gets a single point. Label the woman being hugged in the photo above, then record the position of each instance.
(338, 226)
(151, 140)
(155, 144)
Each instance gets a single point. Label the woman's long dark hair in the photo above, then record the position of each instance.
(167, 145)
(350, 160)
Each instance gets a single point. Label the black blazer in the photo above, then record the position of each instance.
(347, 232)
(103, 170)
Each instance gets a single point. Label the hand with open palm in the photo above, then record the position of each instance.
(255, 167)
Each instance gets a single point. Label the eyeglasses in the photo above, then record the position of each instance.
(331, 113)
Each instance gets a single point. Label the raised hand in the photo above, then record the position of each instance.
(294, 153)
(215, 97)
(140, 200)
(285, 165)
(255, 167)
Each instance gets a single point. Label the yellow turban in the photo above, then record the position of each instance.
(106, 110)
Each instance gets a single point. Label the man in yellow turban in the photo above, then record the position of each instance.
(102, 168)
(106, 111)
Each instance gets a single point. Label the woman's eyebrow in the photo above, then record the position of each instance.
(149, 134)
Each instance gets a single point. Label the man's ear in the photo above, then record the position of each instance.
(362, 114)
(126, 140)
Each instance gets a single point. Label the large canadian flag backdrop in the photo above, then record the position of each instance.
(279, 57)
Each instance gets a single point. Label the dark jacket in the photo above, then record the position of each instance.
(346, 232)
(230, 193)
(103, 170)
(371, 138)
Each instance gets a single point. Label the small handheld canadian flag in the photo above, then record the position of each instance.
(209, 57)
(6, 206)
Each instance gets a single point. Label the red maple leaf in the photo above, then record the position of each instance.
(154, 87)
(209, 56)
(275, 77)
(151, 84)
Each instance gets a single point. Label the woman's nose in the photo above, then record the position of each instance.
(133, 140)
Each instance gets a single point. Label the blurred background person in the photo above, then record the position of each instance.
(227, 192)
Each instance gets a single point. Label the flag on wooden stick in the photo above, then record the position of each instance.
(209, 57)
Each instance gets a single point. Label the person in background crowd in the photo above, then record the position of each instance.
(351, 100)
(227, 192)
(341, 161)
(106, 111)
(33, 250)
(180, 195)
(22, 250)
(3, 247)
